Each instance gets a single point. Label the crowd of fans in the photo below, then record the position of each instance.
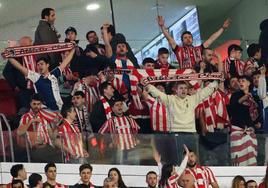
(168, 176)
(74, 94)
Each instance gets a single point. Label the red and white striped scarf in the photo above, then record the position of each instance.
(143, 73)
(123, 130)
(203, 176)
(253, 107)
(36, 49)
(133, 81)
(243, 146)
(107, 107)
(215, 111)
(119, 85)
(29, 63)
(239, 65)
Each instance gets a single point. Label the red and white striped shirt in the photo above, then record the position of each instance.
(203, 176)
(37, 133)
(158, 114)
(239, 65)
(123, 130)
(72, 139)
(91, 93)
(188, 56)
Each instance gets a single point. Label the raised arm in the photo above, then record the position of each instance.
(154, 91)
(217, 34)
(18, 66)
(67, 60)
(108, 47)
(179, 170)
(205, 92)
(161, 23)
(262, 92)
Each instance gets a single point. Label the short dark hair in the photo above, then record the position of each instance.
(89, 32)
(79, 93)
(46, 12)
(85, 166)
(250, 181)
(48, 165)
(66, 108)
(34, 179)
(257, 72)
(186, 33)
(70, 29)
(148, 60)
(110, 29)
(37, 97)
(204, 50)
(46, 60)
(163, 50)
(234, 47)
(104, 86)
(17, 181)
(116, 99)
(151, 172)
(14, 171)
(253, 49)
(248, 78)
(181, 83)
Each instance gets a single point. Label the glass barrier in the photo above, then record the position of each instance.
(142, 149)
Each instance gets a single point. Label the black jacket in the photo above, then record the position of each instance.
(263, 41)
(44, 34)
(14, 77)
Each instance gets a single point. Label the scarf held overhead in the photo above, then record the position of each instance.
(36, 49)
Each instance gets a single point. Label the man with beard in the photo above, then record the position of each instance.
(203, 176)
(209, 66)
(47, 34)
(151, 179)
(93, 44)
(45, 82)
(36, 124)
(187, 54)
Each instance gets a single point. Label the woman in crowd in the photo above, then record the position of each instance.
(239, 182)
(170, 174)
(115, 174)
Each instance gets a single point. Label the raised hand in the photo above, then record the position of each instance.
(186, 149)
(263, 70)
(226, 23)
(161, 21)
(144, 82)
(157, 157)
